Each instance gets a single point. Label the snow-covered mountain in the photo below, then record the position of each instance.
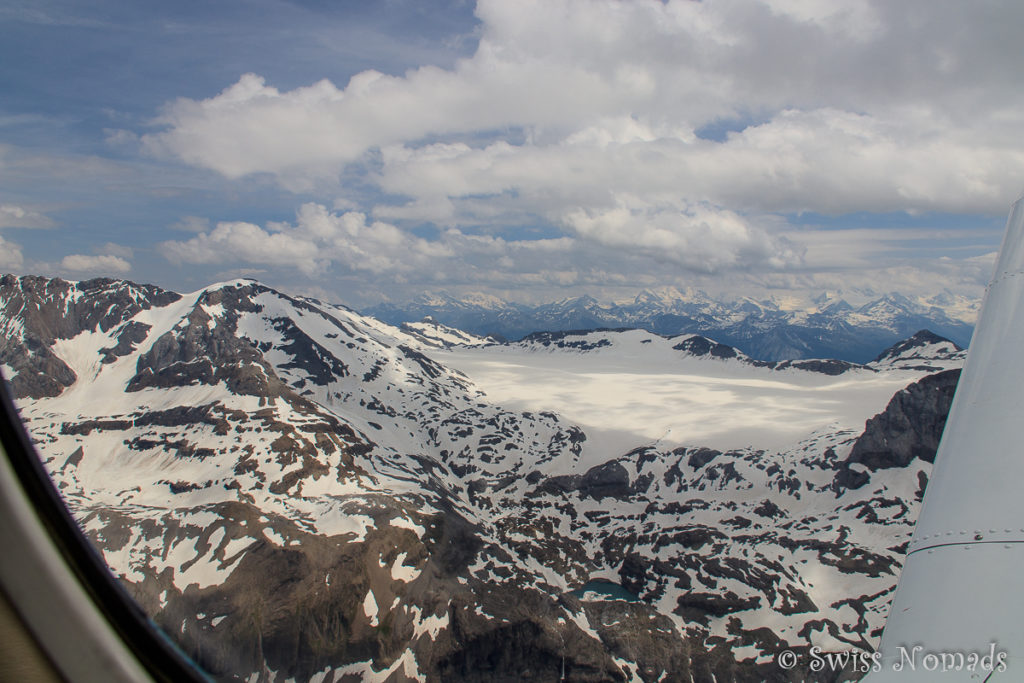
(294, 490)
(825, 327)
(432, 333)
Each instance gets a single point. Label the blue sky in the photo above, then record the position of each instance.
(531, 149)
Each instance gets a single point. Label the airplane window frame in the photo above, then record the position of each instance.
(56, 601)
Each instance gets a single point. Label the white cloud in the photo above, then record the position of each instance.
(583, 116)
(112, 249)
(318, 240)
(247, 243)
(701, 237)
(611, 253)
(13, 216)
(104, 264)
(11, 258)
(321, 242)
(574, 71)
(824, 160)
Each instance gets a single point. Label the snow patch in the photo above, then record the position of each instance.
(400, 572)
(370, 607)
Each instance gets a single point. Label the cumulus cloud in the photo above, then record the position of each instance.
(827, 161)
(701, 237)
(103, 264)
(588, 116)
(822, 77)
(247, 243)
(317, 240)
(322, 242)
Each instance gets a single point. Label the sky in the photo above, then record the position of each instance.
(530, 149)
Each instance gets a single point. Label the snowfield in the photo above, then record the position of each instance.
(639, 391)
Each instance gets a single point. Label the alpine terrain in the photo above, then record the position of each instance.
(295, 491)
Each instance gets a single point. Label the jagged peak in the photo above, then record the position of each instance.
(890, 299)
(912, 347)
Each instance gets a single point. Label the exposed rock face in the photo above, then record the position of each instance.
(132, 333)
(910, 426)
(608, 480)
(825, 367)
(38, 311)
(201, 350)
(570, 339)
(702, 346)
(294, 491)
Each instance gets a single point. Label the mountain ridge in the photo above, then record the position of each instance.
(826, 327)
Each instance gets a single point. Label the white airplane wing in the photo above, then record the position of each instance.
(958, 612)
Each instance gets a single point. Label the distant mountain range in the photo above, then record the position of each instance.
(826, 327)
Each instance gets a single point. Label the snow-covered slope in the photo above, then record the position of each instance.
(924, 351)
(294, 490)
(432, 333)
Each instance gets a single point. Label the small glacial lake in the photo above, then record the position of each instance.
(607, 590)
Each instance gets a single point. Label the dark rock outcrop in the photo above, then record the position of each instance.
(702, 346)
(909, 427)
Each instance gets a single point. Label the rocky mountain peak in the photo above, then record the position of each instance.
(922, 350)
(37, 311)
